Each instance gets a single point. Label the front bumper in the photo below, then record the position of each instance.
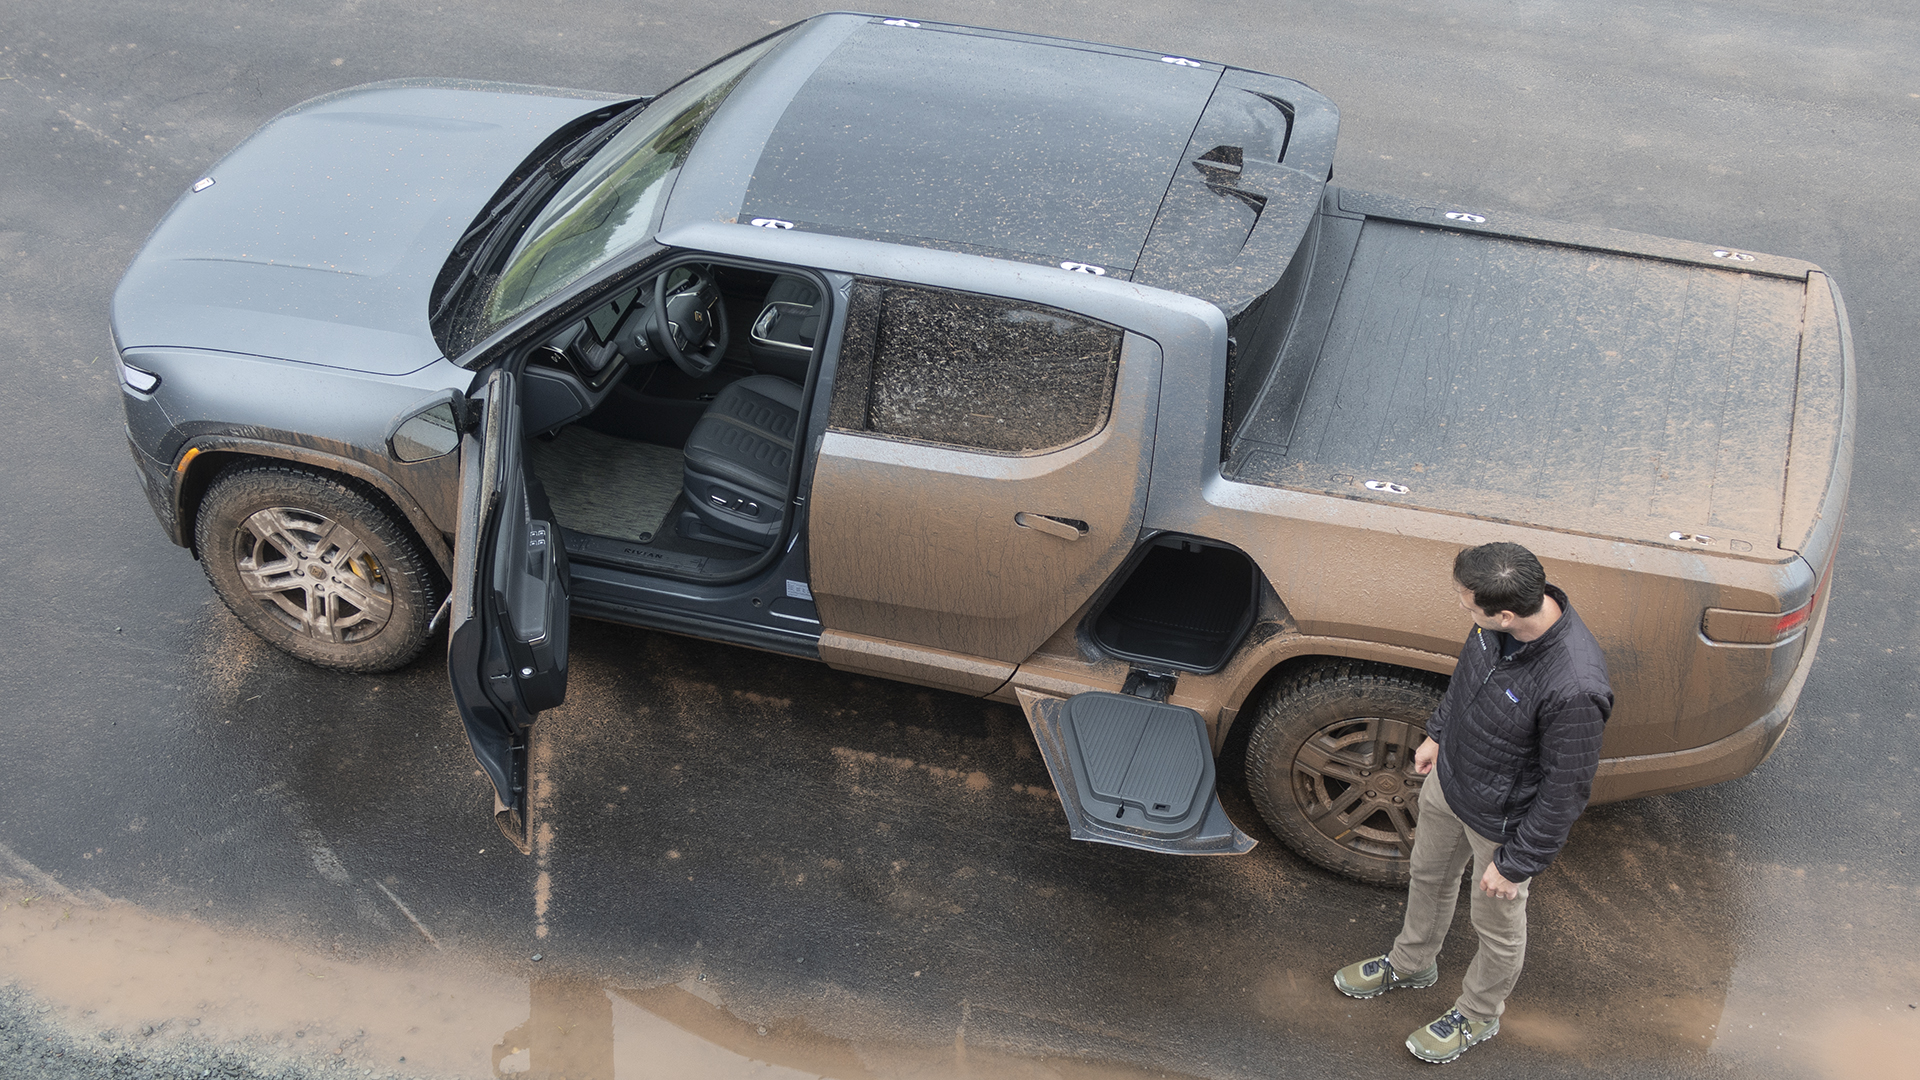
(156, 479)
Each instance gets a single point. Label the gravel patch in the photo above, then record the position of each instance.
(34, 1043)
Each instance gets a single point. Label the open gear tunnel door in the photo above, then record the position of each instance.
(1133, 772)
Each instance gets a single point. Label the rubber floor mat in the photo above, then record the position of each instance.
(607, 486)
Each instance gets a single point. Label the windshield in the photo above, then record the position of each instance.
(606, 206)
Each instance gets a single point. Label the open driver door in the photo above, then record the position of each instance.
(507, 642)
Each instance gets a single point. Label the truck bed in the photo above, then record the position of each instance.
(1575, 378)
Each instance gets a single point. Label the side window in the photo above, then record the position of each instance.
(979, 372)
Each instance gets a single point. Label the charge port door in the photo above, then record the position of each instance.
(1133, 772)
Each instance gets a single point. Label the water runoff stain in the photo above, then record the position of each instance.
(107, 966)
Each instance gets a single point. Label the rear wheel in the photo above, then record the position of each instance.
(1330, 765)
(316, 566)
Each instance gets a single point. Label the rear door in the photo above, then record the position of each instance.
(507, 642)
(984, 473)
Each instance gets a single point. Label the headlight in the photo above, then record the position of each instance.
(140, 382)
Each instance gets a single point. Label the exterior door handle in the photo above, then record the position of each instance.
(1064, 528)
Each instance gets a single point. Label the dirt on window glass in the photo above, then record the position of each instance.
(980, 372)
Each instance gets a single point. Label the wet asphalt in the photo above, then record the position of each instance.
(796, 872)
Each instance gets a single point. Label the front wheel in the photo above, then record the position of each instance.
(1330, 765)
(316, 566)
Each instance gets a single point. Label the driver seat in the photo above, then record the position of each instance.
(738, 461)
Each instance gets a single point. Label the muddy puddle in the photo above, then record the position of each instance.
(1652, 958)
(114, 973)
(1827, 983)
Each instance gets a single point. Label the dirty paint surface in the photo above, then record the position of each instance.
(224, 799)
(854, 151)
(924, 545)
(1569, 388)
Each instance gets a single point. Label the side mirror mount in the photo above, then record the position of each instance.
(430, 429)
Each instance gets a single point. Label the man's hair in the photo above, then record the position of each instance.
(1501, 577)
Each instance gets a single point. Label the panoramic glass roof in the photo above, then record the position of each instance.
(981, 141)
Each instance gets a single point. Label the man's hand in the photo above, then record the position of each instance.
(1425, 756)
(1497, 886)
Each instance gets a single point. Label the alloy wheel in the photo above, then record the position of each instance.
(1354, 781)
(312, 573)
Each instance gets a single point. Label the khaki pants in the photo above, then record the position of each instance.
(1442, 848)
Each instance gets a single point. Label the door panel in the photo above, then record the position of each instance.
(980, 554)
(507, 643)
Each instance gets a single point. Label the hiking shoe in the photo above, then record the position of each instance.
(1375, 976)
(1450, 1036)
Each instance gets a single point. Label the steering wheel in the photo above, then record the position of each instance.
(689, 324)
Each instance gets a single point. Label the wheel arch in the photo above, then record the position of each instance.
(1276, 658)
(204, 459)
(1271, 651)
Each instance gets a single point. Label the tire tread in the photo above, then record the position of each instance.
(410, 573)
(1286, 716)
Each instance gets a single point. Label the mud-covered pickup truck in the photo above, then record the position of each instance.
(1048, 372)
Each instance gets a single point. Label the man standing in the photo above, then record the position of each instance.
(1515, 741)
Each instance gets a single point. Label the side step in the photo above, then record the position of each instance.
(1133, 772)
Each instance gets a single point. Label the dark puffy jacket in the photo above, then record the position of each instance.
(1520, 738)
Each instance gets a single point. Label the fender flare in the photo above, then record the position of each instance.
(1261, 657)
(192, 472)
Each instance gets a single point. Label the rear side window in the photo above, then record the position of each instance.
(978, 372)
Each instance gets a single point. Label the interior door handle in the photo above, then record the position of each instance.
(1064, 528)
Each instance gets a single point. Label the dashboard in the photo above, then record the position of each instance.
(570, 374)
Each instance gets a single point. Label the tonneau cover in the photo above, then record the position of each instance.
(1588, 381)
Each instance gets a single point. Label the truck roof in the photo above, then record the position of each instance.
(1013, 146)
(989, 142)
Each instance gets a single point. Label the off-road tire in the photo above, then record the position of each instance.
(275, 537)
(1330, 752)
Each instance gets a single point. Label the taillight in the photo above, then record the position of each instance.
(1764, 627)
(1792, 621)
(1754, 627)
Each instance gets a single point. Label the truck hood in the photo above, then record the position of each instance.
(321, 236)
